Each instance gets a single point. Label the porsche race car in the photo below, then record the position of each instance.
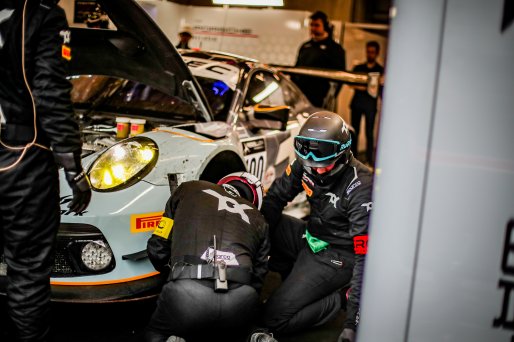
(197, 115)
(205, 115)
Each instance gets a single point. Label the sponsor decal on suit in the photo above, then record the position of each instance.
(308, 190)
(333, 199)
(230, 205)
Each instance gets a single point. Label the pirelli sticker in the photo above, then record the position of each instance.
(140, 223)
(308, 190)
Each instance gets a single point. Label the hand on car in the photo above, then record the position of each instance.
(77, 180)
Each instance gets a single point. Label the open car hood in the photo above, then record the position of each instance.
(137, 50)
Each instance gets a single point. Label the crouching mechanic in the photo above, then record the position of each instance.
(213, 241)
(319, 257)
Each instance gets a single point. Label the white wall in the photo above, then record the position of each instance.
(269, 35)
(444, 184)
(168, 15)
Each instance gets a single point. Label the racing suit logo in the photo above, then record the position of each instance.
(360, 244)
(234, 207)
(308, 190)
(307, 179)
(333, 198)
(368, 206)
(353, 186)
(66, 40)
(228, 258)
(66, 36)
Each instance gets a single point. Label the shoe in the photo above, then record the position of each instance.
(175, 339)
(262, 337)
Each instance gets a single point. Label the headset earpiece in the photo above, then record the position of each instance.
(326, 25)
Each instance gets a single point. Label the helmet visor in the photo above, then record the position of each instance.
(318, 150)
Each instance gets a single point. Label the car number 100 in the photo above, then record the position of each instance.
(256, 163)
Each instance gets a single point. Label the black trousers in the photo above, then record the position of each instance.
(369, 115)
(309, 293)
(192, 310)
(29, 220)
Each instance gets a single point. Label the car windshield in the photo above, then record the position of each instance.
(95, 94)
(219, 95)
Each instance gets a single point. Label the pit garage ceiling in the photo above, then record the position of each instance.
(370, 11)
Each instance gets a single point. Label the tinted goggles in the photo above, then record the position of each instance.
(318, 149)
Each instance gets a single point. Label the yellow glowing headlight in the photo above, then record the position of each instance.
(123, 164)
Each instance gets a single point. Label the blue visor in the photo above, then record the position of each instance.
(319, 149)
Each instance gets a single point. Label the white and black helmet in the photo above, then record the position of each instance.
(245, 185)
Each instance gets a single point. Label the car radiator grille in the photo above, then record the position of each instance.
(70, 239)
(62, 265)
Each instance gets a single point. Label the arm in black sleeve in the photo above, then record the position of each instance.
(283, 190)
(159, 245)
(360, 204)
(51, 89)
(299, 61)
(260, 265)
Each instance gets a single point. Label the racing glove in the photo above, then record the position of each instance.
(348, 335)
(77, 180)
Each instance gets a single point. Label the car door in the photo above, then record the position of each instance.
(267, 151)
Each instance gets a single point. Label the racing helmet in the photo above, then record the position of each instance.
(324, 139)
(245, 185)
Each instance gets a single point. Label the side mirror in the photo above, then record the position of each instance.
(268, 117)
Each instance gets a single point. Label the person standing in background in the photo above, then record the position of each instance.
(319, 52)
(185, 36)
(363, 103)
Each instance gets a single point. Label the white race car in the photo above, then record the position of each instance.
(198, 115)
(235, 115)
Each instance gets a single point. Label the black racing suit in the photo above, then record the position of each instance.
(324, 54)
(29, 192)
(189, 306)
(340, 207)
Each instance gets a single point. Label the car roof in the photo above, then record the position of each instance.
(232, 63)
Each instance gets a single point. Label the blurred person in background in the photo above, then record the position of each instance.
(321, 51)
(185, 36)
(365, 104)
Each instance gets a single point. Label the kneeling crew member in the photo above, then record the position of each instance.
(213, 241)
(318, 257)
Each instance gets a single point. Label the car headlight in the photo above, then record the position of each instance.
(123, 164)
(96, 255)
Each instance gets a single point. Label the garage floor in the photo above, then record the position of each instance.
(125, 322)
